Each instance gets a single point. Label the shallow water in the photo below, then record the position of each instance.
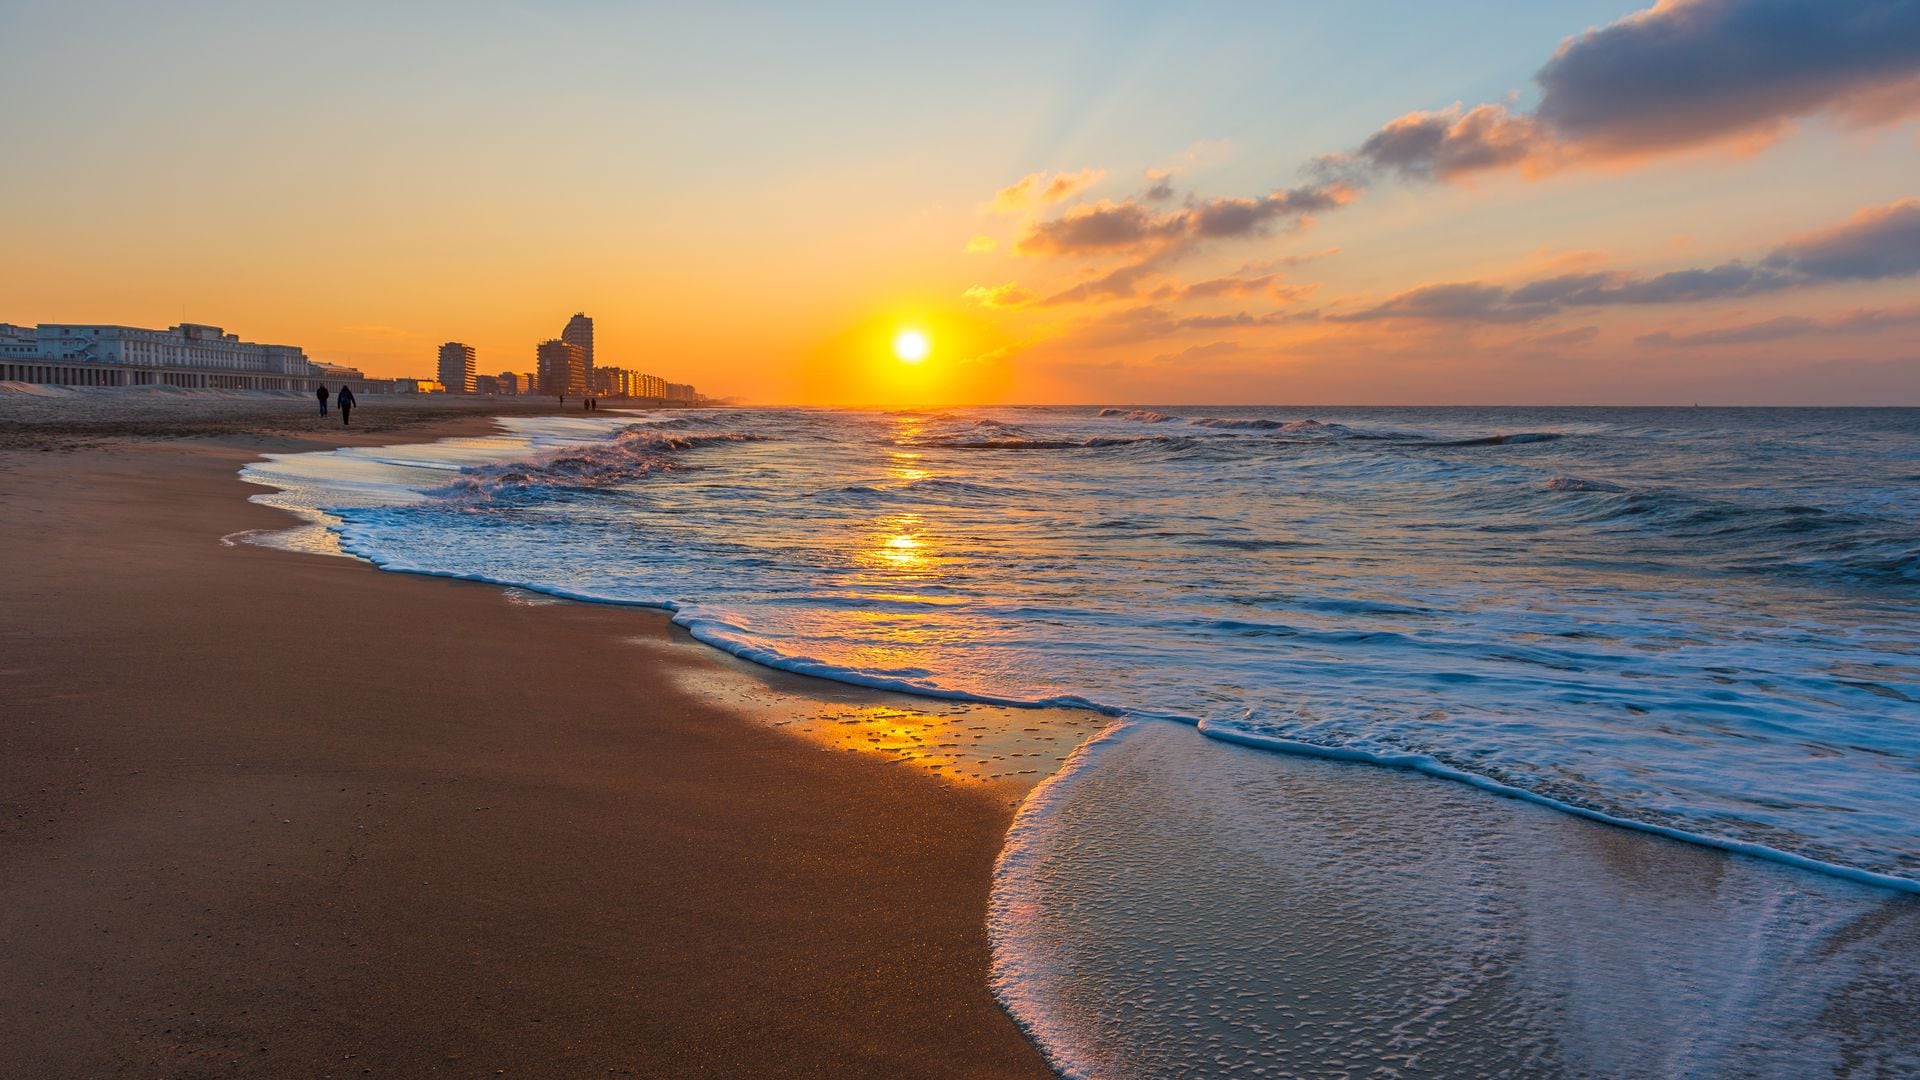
(1700, 620)
(1697, 622)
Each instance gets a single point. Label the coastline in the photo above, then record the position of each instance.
(265, 814)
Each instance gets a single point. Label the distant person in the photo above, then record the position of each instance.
(321, 393)
(563, 401)
(344, 399)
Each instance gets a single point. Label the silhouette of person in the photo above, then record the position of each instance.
(344, 399)
(321, 393)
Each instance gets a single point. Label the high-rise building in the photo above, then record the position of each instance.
(562, 367)
(457, 367)
(579, 332)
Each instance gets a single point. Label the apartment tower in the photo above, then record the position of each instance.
(457, 367)
(579, 332)
(562, 368)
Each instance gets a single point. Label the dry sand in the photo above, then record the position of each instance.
(266, 814)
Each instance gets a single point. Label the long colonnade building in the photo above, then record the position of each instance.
(188, 355)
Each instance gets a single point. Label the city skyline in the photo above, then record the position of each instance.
(1581, 202)
(203, 356)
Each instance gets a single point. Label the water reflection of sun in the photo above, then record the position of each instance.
(903, 468)
(897, 542)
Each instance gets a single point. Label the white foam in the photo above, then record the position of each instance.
(1171, 906)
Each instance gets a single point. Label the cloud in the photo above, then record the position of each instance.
(1039, 188)
(1474, 301)
(1066, 185)
(1579, 335)
(1685, 72)
(1786, 327)
(1107, 227)
(1151, 322)
(1463, 301)
(1251, 279)
(1115, 284)
(1212, 350)
(1876, 243)
(980, 245)
(1450, 143)
(1678, 75)
(998, 296)
(1231, 285)
(1248, 217)
(1103, 227)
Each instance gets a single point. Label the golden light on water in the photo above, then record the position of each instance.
(897, 544)
(911, 346)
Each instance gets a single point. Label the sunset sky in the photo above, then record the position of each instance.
(1385, 202)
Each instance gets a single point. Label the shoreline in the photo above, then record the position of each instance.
(361, 843)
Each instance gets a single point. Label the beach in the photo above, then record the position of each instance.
(270, 811)
(269, 814)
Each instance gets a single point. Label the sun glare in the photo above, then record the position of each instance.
(911, 346)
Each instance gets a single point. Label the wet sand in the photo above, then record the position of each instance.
(268, 814)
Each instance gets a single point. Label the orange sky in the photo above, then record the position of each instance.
(1113, 206)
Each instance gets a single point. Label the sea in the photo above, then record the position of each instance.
(1697, 628)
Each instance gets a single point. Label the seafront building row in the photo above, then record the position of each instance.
(188, 355)
(198, 356)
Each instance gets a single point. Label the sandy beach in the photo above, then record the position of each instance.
(270, 814)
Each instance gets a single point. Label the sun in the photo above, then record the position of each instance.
(911, 346)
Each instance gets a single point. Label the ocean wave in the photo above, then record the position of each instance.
(1575, 483)
(630, 453)
(1095, 442)
(728, 632)
(1601, 659)
(1230, 424)
(1502, 440)
(1139, 416)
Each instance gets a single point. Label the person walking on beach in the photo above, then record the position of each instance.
(344, 399)
(321, 393)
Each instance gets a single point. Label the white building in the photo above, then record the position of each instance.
(189, 355)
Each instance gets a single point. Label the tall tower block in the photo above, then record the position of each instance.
(579, 332)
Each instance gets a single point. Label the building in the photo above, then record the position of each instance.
(418, 386)
(515, 383)
(616, 382)
(335, 376)
(486, 384)
(653, 386)
(579, 332)
(188, 355)
(562, 368)
(681, 393)
(457, 366)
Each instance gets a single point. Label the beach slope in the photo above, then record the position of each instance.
(268, 814)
